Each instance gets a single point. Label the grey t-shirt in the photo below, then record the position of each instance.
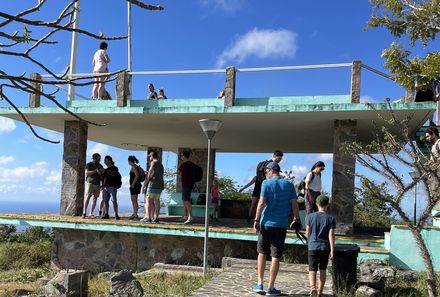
(320, 224)
(156, 181)
(95, 178)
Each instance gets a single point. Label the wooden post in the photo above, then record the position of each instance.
(34, 98)
(230, 86)
(356, 82)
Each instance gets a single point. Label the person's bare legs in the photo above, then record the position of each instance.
(100, 87)
(134, 203)
(95, 86)
(156, 207)
(312, 279)
(92, 208)
(115, 206)
(188, 207)
(253, 207)
(274, 267)
(86, 203)
(261, 266)
(321, 283)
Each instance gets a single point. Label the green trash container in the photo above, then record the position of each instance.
(345, 266)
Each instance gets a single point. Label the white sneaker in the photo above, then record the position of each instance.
(189, 220)
(145, 220)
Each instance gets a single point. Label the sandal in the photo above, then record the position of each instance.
(91, 216)
(83, 216)
(132, 217)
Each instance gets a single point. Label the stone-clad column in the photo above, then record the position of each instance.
(355, 91)
(199, 157)
(73, 171)
(343, 176)
(34, 98)
(123, 91)
(230, 86)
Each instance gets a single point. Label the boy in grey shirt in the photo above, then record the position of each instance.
(320, 232)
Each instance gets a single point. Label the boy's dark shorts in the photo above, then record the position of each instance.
(186, 193)
(318, 260)
(271, 241)
(257, 189)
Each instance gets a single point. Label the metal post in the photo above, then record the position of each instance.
(129, 66)
(415, 204)
(73, 52)
(208, 184)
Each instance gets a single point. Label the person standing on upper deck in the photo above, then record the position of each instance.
(152, 95)
(100, 65)
(162, 94)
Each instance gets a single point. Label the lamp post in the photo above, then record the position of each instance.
(209, 127)
(415, 175)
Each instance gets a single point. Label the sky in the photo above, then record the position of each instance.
(198, 34)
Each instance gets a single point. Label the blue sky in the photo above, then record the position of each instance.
(200, 34)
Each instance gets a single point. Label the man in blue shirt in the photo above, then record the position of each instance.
(278, 198)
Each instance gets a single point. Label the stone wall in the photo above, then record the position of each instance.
(112, 251)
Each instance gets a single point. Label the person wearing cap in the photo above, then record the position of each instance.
(257, 180)
(152, 95)
(162, 94)
(313, 187)
(278, 198)
(320, 232)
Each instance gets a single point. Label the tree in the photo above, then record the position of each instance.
(419, 20)
(13, 42)
(385, 157)
(370, 211)
(229, 190)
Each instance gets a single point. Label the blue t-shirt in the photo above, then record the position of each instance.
(320, 224)
(279, 193)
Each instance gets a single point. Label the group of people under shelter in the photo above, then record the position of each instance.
(100, 67)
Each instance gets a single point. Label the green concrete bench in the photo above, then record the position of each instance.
(175, 207)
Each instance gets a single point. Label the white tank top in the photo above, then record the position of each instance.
(100, 59)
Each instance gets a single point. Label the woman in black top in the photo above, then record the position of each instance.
(135, 185)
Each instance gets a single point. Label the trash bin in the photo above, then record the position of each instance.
(345, 266)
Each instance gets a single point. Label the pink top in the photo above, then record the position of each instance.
(215, 194)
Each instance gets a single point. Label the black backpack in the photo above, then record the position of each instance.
(302, 184)
(261, 170)
(197, 173)
(118, 180)
(141, 174)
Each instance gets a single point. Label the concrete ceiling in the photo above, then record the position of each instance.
(292, 132)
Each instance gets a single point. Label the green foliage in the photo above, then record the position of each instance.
(32, 235)
(417, 20)
(371, 211)
(169, 176)
(18, 255)
(6, 232)
(229, 190)
(24, 275)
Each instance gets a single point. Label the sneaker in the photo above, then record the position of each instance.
(146, 220)
(258, 288)
(273, 292)
(105, 217)
(189, 220)
(183, 219)
(117, 217)
(437, 215)
(313, 293)
(156, 220)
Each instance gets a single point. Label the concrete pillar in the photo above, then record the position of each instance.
(159, 153)
(69, 283)
(123, 91)
(230, 86)
(199, 157)
(343, 176)
(356, 82)
(73, 171)
(34, 98)
(410, 95)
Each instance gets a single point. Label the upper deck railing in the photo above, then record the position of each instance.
(124, 80)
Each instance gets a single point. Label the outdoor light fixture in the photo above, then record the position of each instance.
(209, 127)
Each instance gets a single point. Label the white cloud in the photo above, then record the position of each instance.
(53, 178)
(299, 171)
(6, 125)
(6, 160)
(229, 6)
(320, 157)
(23, 173)
(262, 44)
(99, 148)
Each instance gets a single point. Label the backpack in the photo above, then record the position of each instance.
(118, 180)
(141, 174)
(302, 184)
(197, 173)
(261, 167)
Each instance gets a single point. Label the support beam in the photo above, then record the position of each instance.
(34, 98)
(199, 157)
(230, 86)
(342, 205)
(356, 82)
(123, 91)
(73, 171)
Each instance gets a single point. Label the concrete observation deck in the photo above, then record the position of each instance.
(290, 124)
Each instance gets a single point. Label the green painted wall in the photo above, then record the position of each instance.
(404, 252)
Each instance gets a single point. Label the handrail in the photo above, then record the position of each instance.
(378, 72)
